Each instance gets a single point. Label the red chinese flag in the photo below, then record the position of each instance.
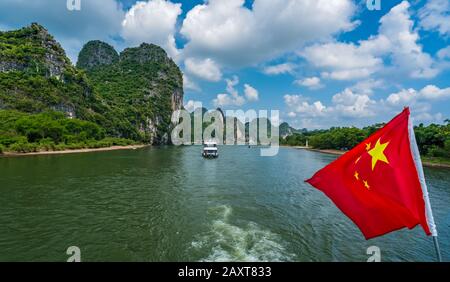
(376, 184)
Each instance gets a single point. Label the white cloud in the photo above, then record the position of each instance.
(408, 97)
(188, 84)
(312, 83)
(300, 105)
(152, 22)
(346, 107)
(251, 93)
(435, 15)
(405, 96)
(234, 35)
(192, 105)
(349, 108)
(232, 97)
(444, 53)
(350, 104)
(367, 86)
(224, 100)
(342, 61)
(407, 55)
(353, 108)
(205, 69)
(432, 92)
(279, 69)
(395, 43)
(427, 117)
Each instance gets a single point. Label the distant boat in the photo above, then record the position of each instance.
(210, 150)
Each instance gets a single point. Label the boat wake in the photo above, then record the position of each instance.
(226, 242)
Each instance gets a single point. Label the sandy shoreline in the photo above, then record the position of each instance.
(339, 153)
(112, 148)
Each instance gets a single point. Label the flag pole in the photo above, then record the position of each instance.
(438, 250)
(423, 184)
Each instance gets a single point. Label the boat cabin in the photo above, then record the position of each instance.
(210, 150)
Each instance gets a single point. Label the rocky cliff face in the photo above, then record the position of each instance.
(32, 49)
(97, 54)
(36, 75)
(286, 130)
(131, 95)
(142, 86)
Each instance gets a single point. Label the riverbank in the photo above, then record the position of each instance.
(75, 151)
(428, 162)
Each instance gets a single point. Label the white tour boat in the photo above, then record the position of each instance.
(210, 149)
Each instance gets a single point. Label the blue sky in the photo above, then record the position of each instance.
(322, 63)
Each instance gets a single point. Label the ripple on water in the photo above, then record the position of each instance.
(248, 243)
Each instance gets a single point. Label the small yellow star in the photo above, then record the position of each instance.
(377, 153)
(368, 145)
(356, 175)
(366, 184)
(357, 160)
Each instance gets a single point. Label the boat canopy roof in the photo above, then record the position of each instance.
(210, 149)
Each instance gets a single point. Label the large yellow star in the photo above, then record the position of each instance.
(377, 153)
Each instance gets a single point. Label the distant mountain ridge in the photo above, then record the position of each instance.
(240, 129)
(286, 130)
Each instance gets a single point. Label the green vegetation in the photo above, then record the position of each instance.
(36, 76)
(137, 89)
(296, 139)
(27, 48)
(95, 54)
(50, 131)
(433, 140)
(46, 103)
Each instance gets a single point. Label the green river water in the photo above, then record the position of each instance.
(170, 204)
